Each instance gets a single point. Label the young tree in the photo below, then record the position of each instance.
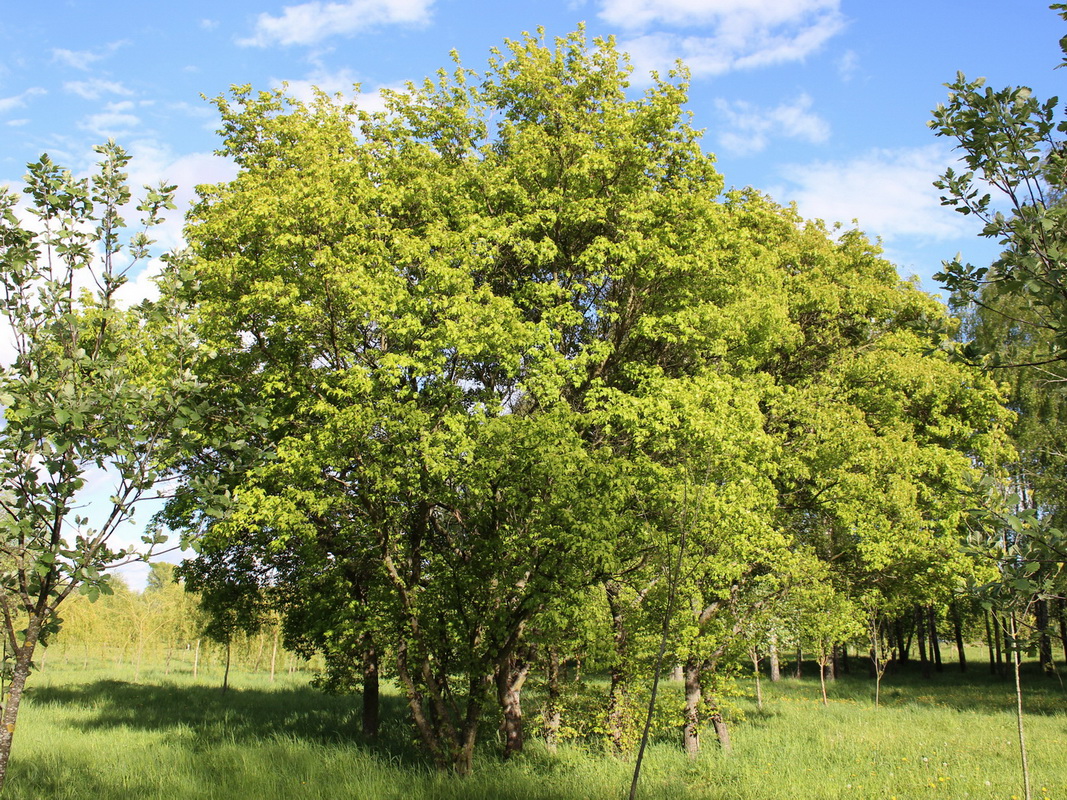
(89, 390)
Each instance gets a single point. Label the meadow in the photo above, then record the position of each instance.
(88, 730)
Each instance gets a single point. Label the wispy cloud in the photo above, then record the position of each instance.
(19, 100)
(310, 23)
(114, 121)
(747, 128)
(94, 88)
(724, 35)
(84, 59)
(889, 192)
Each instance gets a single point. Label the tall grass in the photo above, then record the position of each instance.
(90, 732)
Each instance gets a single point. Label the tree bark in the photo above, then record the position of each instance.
(1044, 648)
(1063, 626)
(800, 663)
(510, 676)
(719, 724)
(989, 644)
(935, 643)
(371, 717)
(13, 696)
(772, 656)
(691, 729)
(553, 713)
(920, 625)
(617, 690)
(957, 629)
(226, 674)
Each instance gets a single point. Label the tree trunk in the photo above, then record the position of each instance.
(957, 629)
(617, 691)
(1044, 648)
(510, 676)
(691, 729)
(824, 661)
(553, 713)
(274, 652)
(935, 643)
(920, 625)
(989, 644)
(13, 696)
(226, 674)
(800, 663)
(772, 656)
(1063, 626)
(196, 659)
(371, 696)
(719, 724)
(833, 666)
(756, 673)
(997, 638)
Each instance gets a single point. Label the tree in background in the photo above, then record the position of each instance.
(91, 390)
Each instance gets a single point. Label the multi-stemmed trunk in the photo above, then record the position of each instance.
(957, 629)
(510, 676)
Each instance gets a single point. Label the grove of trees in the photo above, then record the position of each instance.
(500, 382)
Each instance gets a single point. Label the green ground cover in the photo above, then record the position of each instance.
(91, 732)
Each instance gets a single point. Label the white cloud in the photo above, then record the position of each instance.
(309, 23)
(848, 65)
(111, 123)
(19, 100)
(730, 14)
(740, 34)
(209, 24)
(83, 59)
(342, 81)
(748, 128)
(889, 192)
(15, 123)
(94, 88)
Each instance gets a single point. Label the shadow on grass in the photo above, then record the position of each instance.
(238, 715)
(973, 690)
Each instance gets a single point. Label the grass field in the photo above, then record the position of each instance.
(93, 733)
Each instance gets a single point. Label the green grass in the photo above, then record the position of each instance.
(90, 733)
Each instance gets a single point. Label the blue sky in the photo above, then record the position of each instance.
(821, 102)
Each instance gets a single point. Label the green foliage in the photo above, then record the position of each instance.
(92, 390)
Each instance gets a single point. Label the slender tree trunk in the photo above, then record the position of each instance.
(677, 673)
(553, 713)
(998, 638)
(989, 644)
(617, 690)
(196, 659)
(13, 696)
(756, 672)
(274, 652)
(719, 724)
(226, 674)
(691, 729)
(903, 643)
(824, 661)
(1044, 649)
(935, 643)
(1017, 663)
(920, 625)
(833, 665)
(957, 629)
(772, 656)
(259, 652)
(371, 696)
(798, 672)
(1063, 626)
